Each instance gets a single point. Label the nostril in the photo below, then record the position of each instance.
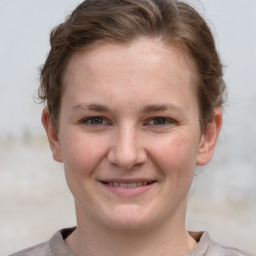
(127, 151)
(124, 159)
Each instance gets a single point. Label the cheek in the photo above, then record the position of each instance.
(81, 156)
(176, 157)
(82, 153)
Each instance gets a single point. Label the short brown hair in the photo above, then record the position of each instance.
(122, 21)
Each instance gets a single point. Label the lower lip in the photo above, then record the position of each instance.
(128, 191)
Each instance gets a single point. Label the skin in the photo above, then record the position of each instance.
(129, 114)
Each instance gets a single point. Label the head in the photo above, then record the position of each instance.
(134, 91)
(173, 22)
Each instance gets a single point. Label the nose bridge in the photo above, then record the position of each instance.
(127, 150)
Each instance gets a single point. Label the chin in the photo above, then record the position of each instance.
(129, 226)
(129, 219)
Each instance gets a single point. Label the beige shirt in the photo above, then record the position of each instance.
(56, 246)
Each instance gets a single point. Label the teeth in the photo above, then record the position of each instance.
(132, 185)
(128, 185)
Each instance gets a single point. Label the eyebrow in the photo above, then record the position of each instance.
(147, 109)
(92, 107)
(161, 107)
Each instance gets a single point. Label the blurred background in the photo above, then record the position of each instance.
(34, 199)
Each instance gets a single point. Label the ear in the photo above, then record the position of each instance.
(52, 136)
(209, 139)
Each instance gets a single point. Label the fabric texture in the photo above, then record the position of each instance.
(56, 246)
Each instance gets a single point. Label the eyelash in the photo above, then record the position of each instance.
(92, 121)
(167, 121)
(89, 120)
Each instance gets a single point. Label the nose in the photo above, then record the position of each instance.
(127, 150)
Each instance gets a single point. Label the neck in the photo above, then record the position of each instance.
(169, 238)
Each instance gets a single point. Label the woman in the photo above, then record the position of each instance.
(134, 92)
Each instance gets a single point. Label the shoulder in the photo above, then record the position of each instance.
(39, 250)
(206, 246)
(221, 250)
(55, 246)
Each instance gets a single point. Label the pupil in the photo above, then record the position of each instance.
(159, 121)
(96, 120)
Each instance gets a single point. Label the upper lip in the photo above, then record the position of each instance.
(127, 181)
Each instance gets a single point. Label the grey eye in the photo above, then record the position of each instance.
(94, 120)
(158, 121)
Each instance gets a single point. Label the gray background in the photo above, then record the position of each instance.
(34, 199)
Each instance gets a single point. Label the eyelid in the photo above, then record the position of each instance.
(105, 121)
(169, 121)
(90, 118)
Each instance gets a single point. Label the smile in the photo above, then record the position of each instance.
(129, 185)
(128, 188)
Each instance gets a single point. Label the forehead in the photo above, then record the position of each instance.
(138, 66)
(147, 51)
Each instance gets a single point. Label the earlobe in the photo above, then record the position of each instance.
(209, 139)
(52, 136)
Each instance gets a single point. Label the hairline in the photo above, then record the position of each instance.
(186, 59)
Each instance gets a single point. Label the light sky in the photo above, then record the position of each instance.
(25, 26)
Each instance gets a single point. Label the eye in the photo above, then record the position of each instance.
(160, 121)
(94, 121)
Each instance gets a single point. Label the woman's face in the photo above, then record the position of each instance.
(129, 134)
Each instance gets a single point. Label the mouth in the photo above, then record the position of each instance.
(128, 188)
(129, 185)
